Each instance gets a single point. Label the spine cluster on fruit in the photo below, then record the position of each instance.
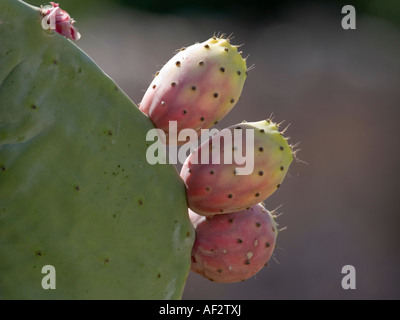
(235, 234)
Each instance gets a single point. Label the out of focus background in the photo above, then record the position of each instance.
(339, 89)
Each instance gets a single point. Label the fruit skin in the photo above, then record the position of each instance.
(197, 87)
(233, 247)
(218, 188)
(76, 191)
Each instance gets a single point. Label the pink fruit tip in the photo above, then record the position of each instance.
(54, 18)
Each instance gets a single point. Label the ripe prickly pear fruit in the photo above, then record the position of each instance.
(215, 188)
(233, 247)
(197, 87)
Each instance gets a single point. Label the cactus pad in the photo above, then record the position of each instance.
(76, 191)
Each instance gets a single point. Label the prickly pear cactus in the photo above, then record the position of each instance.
(76, 191)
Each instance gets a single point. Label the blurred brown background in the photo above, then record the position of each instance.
(339, 89)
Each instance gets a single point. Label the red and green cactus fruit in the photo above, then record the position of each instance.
(217, 187)
(233, 247)
(196, 88)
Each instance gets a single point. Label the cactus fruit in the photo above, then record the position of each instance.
(233, 247)
(214, 188)
(76, 191)
(196, 88)
(59, 20)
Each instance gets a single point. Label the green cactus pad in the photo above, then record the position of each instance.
(76, 191)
